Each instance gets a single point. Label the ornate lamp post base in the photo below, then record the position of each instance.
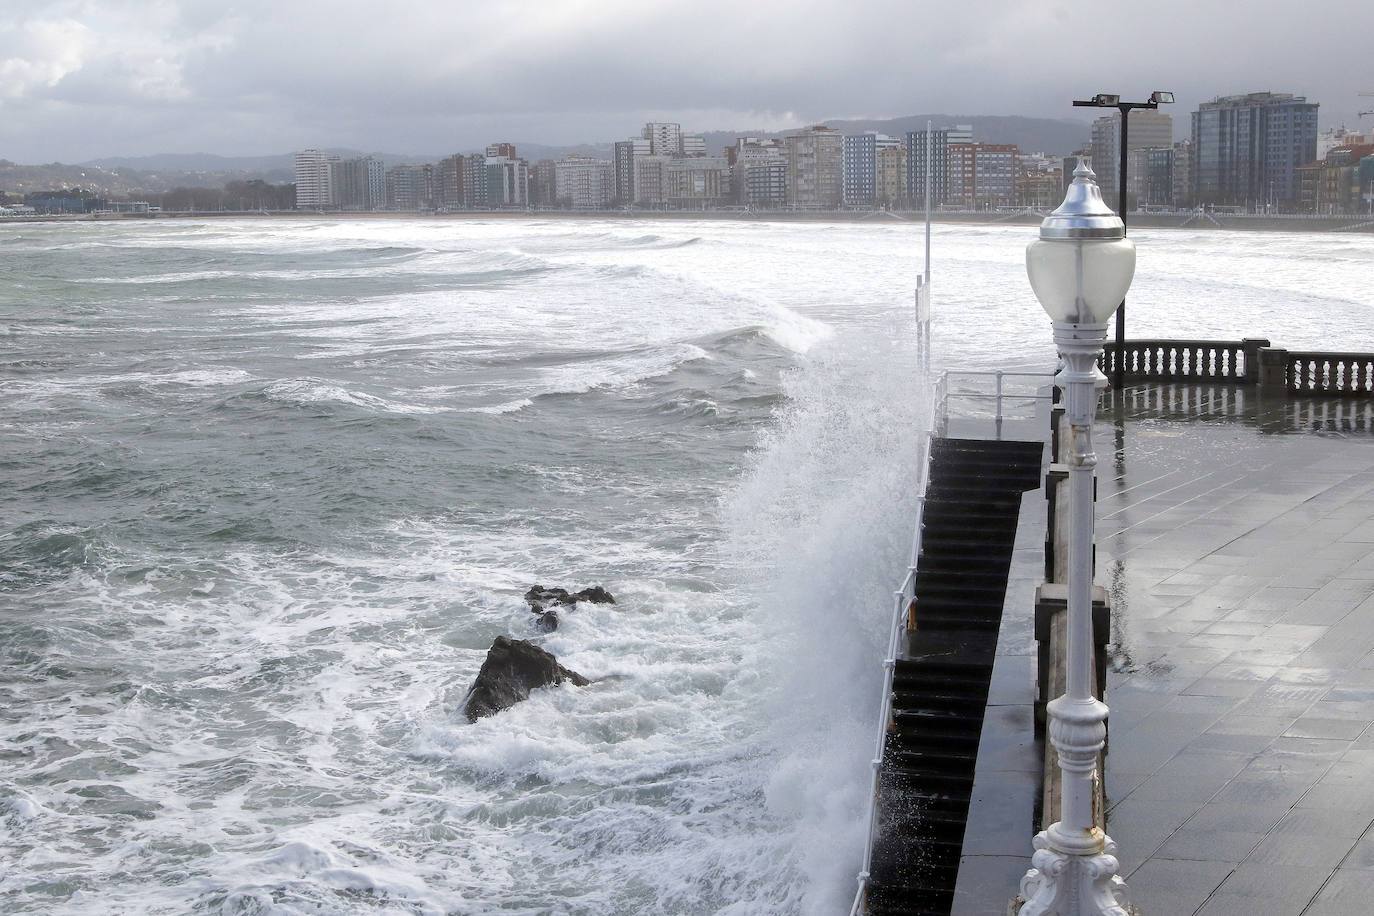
(1059, 884)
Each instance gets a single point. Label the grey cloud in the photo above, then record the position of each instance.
(422, 75)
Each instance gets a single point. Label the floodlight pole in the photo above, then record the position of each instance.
(1103, 100)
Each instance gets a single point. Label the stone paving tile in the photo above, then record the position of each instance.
(987, 883)
(1296, 759)
(1311, 850)
(1347, 823)
(1201, 704)
(1278, 597)
(1314, 727)
(1361, 856)
(1167, 886)
(1262, 789)
(1257, 613)
(1200, 845)
(1119, 783)
(1269, 726)
(1213, 686)
(1263, 656)
(1342, 595)
(1140, 827)
(1264, 888)
(1239, 818)
(1239, 743)
(1358, 800)
(1192, 776)
(1013, 677)
(1329, 708)
(1348, 891)
(999, 811)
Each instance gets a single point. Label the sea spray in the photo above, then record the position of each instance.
(825, 516)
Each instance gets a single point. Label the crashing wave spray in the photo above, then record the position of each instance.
(823, 522)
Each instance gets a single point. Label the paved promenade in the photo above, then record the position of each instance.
(1237, 540)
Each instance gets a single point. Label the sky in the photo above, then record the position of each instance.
(84, 79)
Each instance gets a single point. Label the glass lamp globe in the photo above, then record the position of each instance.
(1082, 265)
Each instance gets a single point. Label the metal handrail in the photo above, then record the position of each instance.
(999, 394)
(902, 595)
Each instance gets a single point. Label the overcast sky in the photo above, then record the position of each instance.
(81, 80)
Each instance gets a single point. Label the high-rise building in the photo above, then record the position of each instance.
(475, 181)
(1150, 177)
(449, 183)
(508, 181)
(938, 140)
(861, 166)
(544, 183)
(892, 176)
(696, 182)
(815, 168)
(648, 180)
(665, 139)
(584, 183)
(358, 184)
(759, 172)
(314, 187)
(1183, 172)
(982, 174)
(1247, 149)
(1147, 129)
(405, 188)
(624, 154)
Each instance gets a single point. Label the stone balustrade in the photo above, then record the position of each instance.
(1251, 361)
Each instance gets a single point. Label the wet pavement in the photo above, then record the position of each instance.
(1236, 537)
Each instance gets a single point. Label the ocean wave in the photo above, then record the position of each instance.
(497, 409)
(309, 391)
(620, 370)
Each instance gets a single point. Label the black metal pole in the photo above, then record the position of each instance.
(1119, 378)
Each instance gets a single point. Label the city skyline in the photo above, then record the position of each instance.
(92, 79)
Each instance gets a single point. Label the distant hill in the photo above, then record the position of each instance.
(130, 175)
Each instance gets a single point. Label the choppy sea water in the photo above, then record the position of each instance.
(271, 488)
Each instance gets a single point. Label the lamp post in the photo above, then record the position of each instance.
(1079, 268)
(1107, 100)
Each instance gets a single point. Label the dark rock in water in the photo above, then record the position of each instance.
(512, 669)
(594, 595)
(546, 622)
(541, 599)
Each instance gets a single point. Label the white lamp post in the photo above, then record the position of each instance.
(1080, 269)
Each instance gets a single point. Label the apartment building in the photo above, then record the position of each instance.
(584, 183)
(815, 168)
(314, 181)
(1147, 129)
(1247, 149)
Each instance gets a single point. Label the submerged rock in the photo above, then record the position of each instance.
(512, 669)
(541, 599)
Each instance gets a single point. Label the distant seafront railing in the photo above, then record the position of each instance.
(1251, 361)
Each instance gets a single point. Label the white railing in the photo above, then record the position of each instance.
(1000, 395)
(906, 591)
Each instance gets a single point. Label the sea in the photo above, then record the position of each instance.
(270, 488)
